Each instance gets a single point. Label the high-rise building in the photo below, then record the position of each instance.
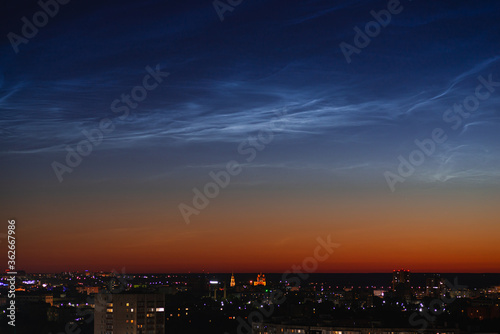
(129, 313)
(434, 286)
(401, 276)
(401, 284)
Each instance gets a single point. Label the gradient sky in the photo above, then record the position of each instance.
(343, 125)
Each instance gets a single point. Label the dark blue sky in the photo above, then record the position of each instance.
(345, 124)
(228, 77)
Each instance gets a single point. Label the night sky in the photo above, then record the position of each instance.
(332, 132)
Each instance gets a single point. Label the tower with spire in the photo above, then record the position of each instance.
(233, 283)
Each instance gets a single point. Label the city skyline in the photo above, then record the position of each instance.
(187, 137)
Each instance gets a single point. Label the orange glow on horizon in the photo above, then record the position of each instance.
(258, 235)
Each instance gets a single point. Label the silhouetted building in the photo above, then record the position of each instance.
(434, 286)
(401, 284)
(23, 298)
(264, 328)
(401, 276)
